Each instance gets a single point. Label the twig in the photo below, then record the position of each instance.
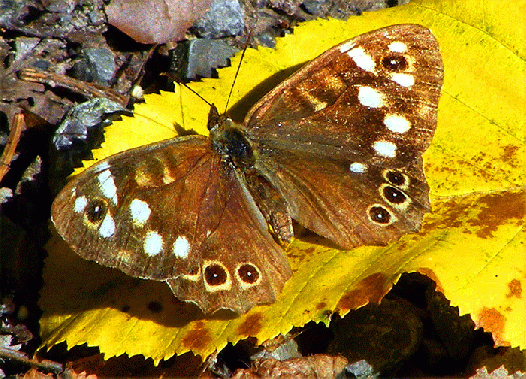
(18, 356)
(12, 142)
(87, 89)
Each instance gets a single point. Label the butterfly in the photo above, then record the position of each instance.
(337, 147)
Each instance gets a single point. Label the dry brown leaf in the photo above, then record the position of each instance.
(315, 367)
(155, 21)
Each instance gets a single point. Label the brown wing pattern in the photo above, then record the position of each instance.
(173, 211)
(338, 146)
(346, 154)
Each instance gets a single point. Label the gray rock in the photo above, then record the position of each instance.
(225, 18)
(97, 65)
(81, 118)
(198, 57)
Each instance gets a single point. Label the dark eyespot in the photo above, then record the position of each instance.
(394, 63)
(215, 275)
(396, 178)
(96, 210)
(394, 195)
(248, 273)
(379, 215)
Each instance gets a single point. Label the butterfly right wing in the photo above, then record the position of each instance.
(342, 139)
(173, 211)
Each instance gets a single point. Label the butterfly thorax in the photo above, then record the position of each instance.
(229, 141)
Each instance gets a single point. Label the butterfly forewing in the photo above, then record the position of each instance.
(173, 211)
(342, 138)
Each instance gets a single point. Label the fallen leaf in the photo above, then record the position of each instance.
(313, 367)
(155, 21)
(472, 244)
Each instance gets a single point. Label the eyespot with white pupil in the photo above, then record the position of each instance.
(248, 273)
(96, 210)
(396, 178)
(394, 63)
(380, 215)
(215, 275)
(394, 195)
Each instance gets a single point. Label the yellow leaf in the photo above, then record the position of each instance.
(472, 244)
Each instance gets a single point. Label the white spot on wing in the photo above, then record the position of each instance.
(397, 123)
(357, 167)
(362, 59)
(103, 166)
(181, 247)
(153, 243)
(405, 80)
(370, 97)
(107, 185)
(397, 47)
(385, 148)
(80, 204)
(140, 212)
(346, 46)
(107, 228)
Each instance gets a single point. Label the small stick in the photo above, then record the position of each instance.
(46, 365)
(12, 142)
(56, 80)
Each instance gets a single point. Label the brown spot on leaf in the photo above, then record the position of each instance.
(493, 210)
(497, 209)
(493, 321)
(369, 290)
(199, 325)
(198, 338)
(321, 305)
(251, 326)
(452, 216)
(309, 251)
(515, 289)
(509, 153)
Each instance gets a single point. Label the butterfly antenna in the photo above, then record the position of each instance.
(249, 37)
(195, 93)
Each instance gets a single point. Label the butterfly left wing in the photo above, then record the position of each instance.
(342, 139)
(173, 211)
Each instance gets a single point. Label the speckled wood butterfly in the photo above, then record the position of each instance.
(337, 147)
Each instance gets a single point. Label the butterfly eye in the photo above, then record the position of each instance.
(394, 195)
(96, 210)
(380, 215)
(248, 274)
(395, 178)
(394, 63)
